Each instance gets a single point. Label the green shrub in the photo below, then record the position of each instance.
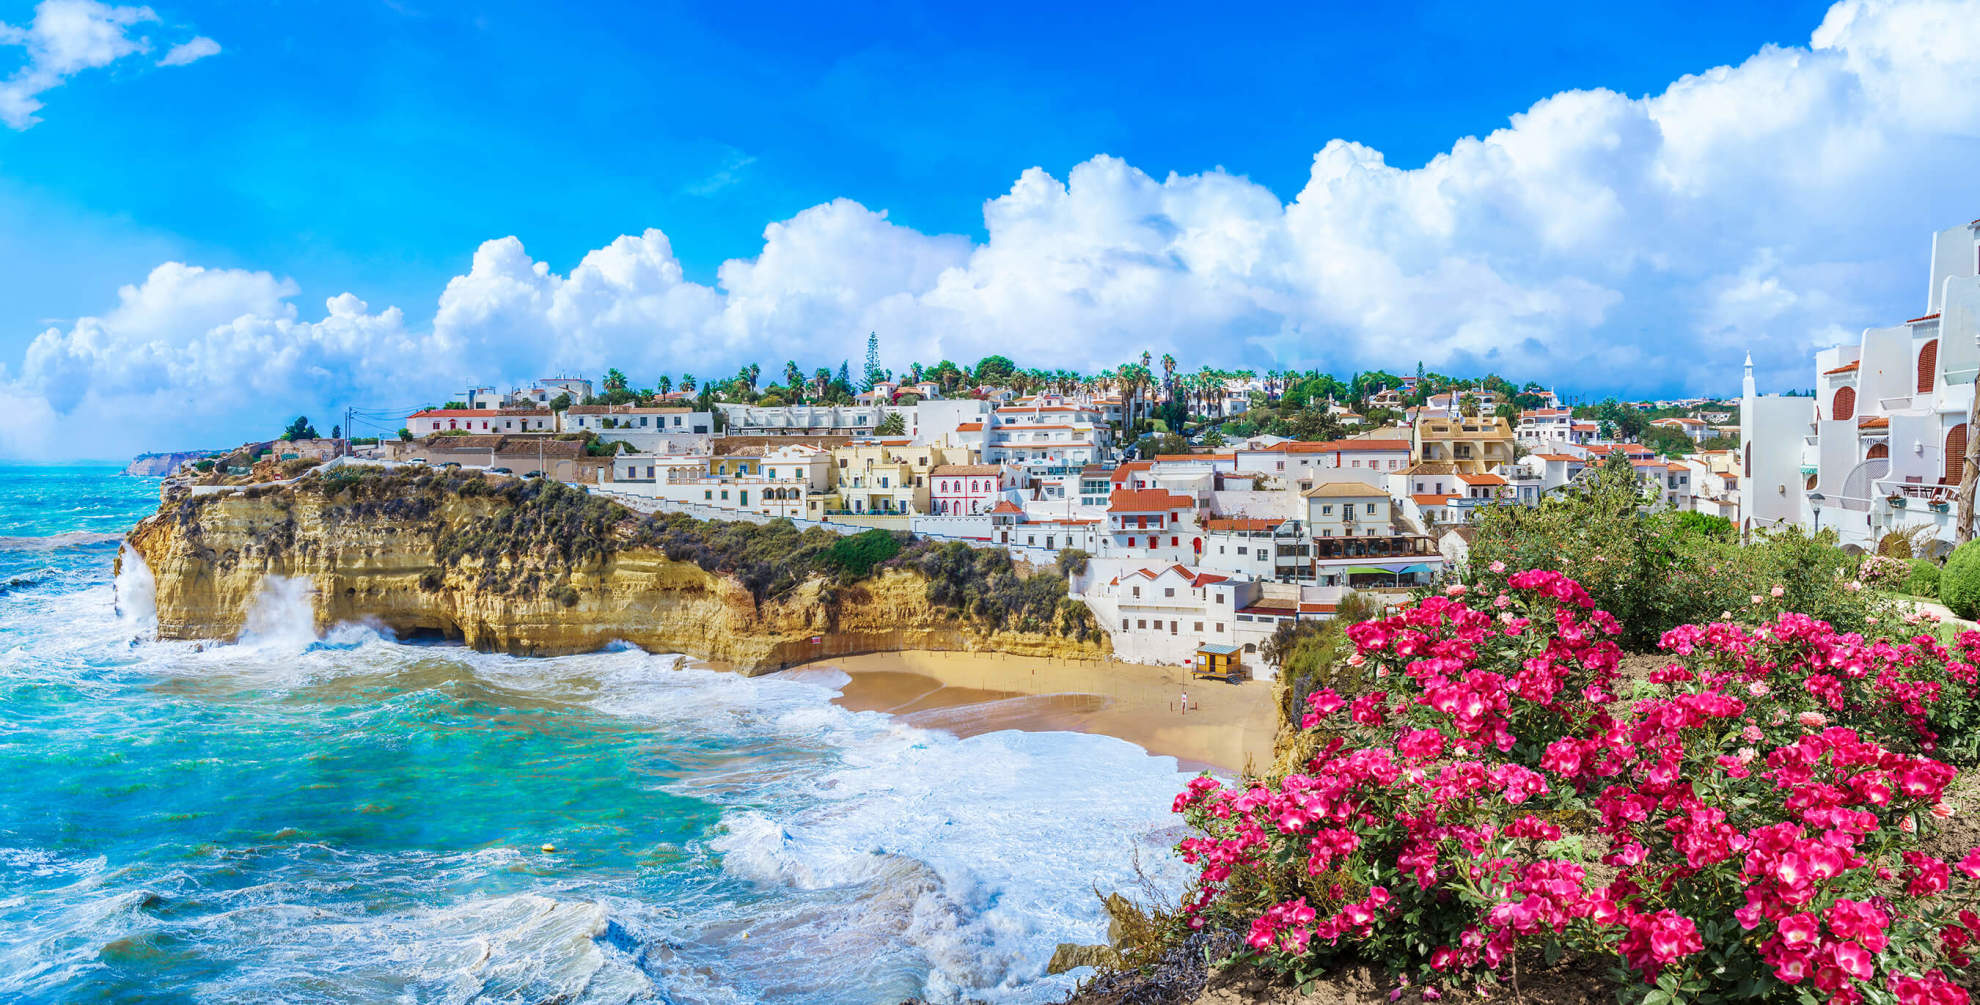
(1959, 581)
(1072, 562)
(1655, 570)
(855, 556)
(1924, 579)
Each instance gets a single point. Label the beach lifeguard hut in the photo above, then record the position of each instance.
(1217, 662)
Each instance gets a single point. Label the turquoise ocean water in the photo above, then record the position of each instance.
(349, 819)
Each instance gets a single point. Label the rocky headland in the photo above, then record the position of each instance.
(533, 567)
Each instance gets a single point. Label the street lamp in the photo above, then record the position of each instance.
(1815, 500)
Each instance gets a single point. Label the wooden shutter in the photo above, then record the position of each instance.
(1955, 453)
(1928, 365)
(1878, 450)
(1845, 403)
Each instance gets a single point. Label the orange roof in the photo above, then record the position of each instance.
(1927, 317)
(1122, 472)
(969, 427)
(1006, 506)
(1560, 457)
(1485, 479)
(1431, 500)
(1308, 607)
(1582, 427)
(450, 413)
(1147, 501)
(1196, 457)
(1845, 368)
(1241, 523)
(1273, 610)
(1873, 421)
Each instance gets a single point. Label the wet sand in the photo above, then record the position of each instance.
(1227, 726)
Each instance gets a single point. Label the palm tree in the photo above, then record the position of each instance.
(754, 372)
(794, 379)
(614, 380)
(687, 382)
(1168, 375)
(664, 384)
(820, 380)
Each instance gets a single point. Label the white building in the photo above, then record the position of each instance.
(812, 420)
(428, 421)
(1881, 447)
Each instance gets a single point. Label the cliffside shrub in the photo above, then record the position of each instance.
(1959, 581)
(1654, 569)
(1756, 822)
(856, 555)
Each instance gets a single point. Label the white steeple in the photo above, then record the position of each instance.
(1746, 389)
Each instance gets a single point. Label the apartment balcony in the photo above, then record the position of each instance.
(1910, 491)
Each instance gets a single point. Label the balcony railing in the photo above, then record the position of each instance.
(1371, 547)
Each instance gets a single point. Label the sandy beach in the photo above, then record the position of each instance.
(1226, 727)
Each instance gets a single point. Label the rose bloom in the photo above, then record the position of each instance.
(1456, 589)
(1943, 811)
(1497, 567)
(1852, 586)
(1812, 720)
(1759, 689)
(1779, 592)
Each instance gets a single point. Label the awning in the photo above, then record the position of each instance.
(1216, 650)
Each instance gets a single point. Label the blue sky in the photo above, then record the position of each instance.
(371, 148)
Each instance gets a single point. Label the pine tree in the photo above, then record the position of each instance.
(873, 374)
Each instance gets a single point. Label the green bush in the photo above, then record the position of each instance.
(1924, 579)
(1654, 569)
(855, 556)
(1959, 581)
(1072, 561)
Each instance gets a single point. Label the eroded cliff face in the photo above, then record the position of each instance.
(212, 559)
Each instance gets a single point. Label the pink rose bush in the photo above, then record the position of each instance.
(1749, 820)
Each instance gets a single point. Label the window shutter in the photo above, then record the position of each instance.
(1928, 365)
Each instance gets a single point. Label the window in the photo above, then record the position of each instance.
(1137, 591)
(1199, 626)
(1141, 622)
(1220, 626)
(1371, 509)
(1168, 591)
(1242, 549)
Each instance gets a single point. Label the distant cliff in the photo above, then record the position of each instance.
(537, 568)
(160, 465)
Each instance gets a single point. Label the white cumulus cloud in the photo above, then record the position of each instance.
(196, 48)
(66, 37)
(1600, 241)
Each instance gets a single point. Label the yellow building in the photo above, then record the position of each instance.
(1472, 445)
(888, 477)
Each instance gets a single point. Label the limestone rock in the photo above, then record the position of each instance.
(210, 558)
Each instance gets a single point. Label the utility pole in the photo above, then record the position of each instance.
(1971, 469)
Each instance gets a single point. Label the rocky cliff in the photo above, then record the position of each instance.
(160, 465)
(419, 554)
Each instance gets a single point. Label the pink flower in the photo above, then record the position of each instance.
(1756, 598)
(1812, 720)
(1970, 865)
(1497, 567)
(1779, 592)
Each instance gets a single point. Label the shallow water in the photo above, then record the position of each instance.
(351, 819)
